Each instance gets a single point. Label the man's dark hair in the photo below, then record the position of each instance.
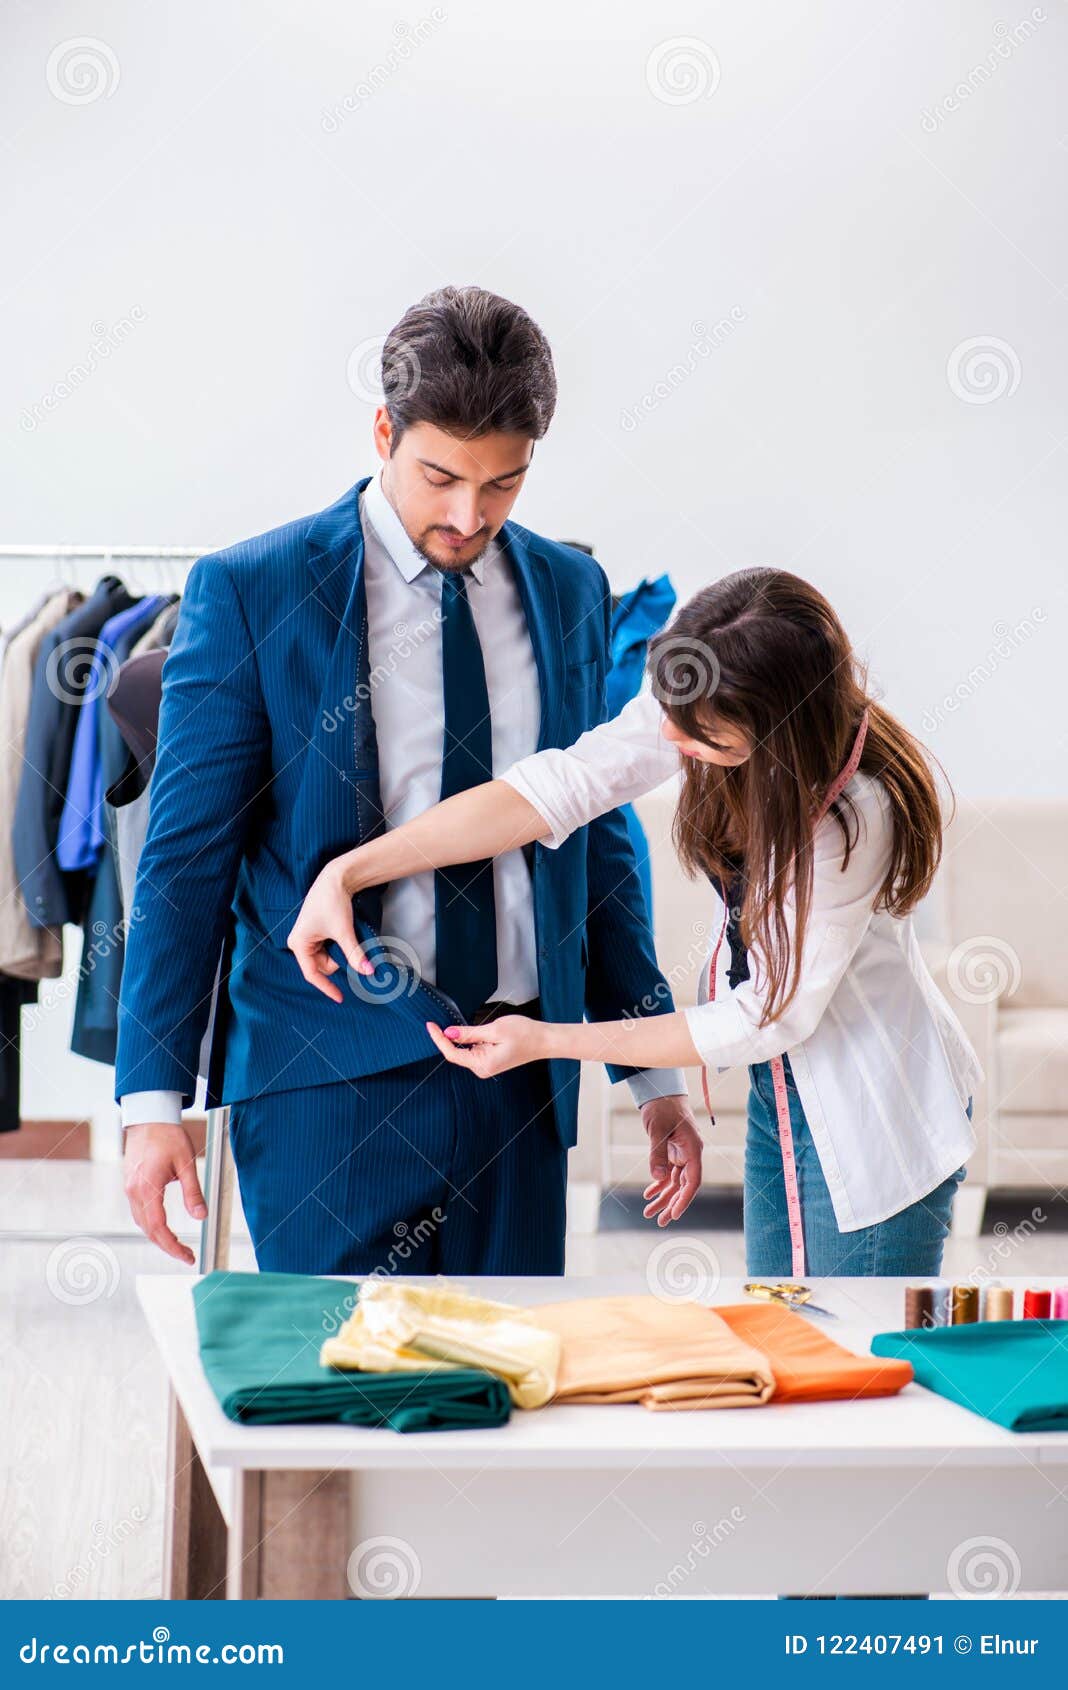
(470, 362)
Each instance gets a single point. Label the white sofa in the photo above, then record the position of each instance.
(1001, 958)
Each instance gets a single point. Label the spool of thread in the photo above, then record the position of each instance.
(940, 1302)
(965, 1304)
(998, 1303)
(1060, 1303)
(919, 1305)
(1036, 1305)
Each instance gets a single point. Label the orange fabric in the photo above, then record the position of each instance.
(808, 1366)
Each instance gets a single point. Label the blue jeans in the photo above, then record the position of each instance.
(910, 1242)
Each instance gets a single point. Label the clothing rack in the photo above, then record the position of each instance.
(214, 1248)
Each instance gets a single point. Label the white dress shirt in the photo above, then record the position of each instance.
(404, 658)
(882, 1065)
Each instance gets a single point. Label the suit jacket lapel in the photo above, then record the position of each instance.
(537, 590)
(341, 776)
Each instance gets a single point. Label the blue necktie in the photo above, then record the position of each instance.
(465, 911)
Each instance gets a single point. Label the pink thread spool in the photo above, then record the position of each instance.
(1060, 1303)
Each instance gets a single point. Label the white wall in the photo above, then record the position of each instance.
(233, 231)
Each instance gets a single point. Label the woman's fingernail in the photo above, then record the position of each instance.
(365, 967)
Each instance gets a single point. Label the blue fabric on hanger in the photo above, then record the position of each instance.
(81, 824)
(638, 615)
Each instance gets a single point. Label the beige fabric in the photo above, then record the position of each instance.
(30, 953)
(1032, 1060)
(417, 1328)
(665, 1355)
(153, 636)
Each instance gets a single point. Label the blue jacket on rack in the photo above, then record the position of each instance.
(638, 615)
(267, 768)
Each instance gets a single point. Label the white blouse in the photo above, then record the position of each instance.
(883, 1067)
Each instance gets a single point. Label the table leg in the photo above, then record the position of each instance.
(194, 1550)
(289, 1536)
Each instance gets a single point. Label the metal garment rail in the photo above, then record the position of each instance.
(214, 1251)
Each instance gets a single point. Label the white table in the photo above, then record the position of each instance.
(874, 1497)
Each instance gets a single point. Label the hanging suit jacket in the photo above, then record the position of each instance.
(31, 952)
(59, 679)
(267, 768)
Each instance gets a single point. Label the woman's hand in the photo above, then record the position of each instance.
(505, 1043)
(325, 917)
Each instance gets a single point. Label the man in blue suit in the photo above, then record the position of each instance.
(326, 680)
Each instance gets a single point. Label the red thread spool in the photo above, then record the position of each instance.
(1036, 1305)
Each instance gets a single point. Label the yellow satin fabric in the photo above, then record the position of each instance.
(415, 1328)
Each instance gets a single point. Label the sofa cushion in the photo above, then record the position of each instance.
(1032, 1060)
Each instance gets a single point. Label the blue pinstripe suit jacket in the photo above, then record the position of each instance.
(267, 767)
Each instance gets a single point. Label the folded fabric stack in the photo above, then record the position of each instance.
(260, 1336)
(416, 1328)
(1014, 1372)
(665, 1355)
(677, 1355)
(433, 1358)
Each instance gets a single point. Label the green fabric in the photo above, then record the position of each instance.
(1014, 1372)
(260, 1337)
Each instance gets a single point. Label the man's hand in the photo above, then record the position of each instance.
(325, 915)
(674, 1158)
(153, 1155)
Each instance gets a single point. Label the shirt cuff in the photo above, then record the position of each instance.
(563, 826)
(657, 1082)
(140, 1107)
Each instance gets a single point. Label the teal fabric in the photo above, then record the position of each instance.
(260, 1337)
(1014, 1372)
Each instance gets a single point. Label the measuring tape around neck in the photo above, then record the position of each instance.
(778, 1072)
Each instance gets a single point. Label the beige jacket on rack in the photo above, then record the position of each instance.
(28, 952)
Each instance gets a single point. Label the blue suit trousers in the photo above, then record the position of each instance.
(420, 1169)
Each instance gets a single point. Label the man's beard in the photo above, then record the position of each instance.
(456, 561)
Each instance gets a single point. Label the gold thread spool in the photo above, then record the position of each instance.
(998, 1303)
(965, 1304)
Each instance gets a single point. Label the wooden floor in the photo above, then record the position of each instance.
(82, 1391)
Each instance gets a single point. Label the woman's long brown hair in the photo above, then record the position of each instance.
(763, 651)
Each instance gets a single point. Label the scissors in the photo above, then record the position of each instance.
(791, 1295)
